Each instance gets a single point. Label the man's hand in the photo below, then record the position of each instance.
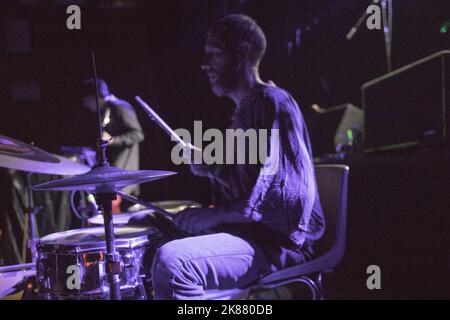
(198, 220)
(140, 218)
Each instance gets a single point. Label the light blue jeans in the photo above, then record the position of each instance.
(188, 268)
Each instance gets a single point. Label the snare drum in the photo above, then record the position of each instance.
(71, 264)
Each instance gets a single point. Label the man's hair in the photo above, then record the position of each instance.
(234, 29)
(88, 87)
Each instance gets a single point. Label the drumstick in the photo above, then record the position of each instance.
(154, 116)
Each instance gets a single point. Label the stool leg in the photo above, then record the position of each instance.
(312, 286)
(319, 281)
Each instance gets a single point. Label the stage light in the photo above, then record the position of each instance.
(444, 27)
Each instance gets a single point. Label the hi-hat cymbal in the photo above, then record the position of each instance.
(171, 206)
(175, 206)
(106, 179)
(18, 155)
(119, 219)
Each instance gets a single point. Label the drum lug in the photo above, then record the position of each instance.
(114, 264)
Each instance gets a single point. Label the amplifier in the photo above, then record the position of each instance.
(408, 106)
(329, 128)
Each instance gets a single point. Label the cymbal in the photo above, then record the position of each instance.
(18, 155)
(119, 219)
(106, 179)
(171, 206)
(175, 206)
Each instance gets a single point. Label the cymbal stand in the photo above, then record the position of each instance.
(114, 265)
(32, 211)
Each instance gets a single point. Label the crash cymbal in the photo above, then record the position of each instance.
(18, 155)
(106, 179)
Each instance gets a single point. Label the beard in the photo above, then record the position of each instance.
(225, 82)
(219, 90)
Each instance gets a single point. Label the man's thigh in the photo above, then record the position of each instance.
(186, 268)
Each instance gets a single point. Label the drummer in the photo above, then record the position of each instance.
(120, 126)
(267, 222)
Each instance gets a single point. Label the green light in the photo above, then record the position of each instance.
(350, 134)
(444, 27)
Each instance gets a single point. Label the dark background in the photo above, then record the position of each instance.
(154, 48)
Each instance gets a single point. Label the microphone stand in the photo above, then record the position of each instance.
(386, 14)
(355, 28)
(386, 9)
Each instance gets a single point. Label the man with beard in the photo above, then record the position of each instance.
(266, 221)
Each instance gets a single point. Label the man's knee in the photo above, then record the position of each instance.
(172, 274)
(168, 257)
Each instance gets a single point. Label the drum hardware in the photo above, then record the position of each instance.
(119, 219)
(17, 155)
(85, 209)
(104, 181)
(17, 267)
(122, 218)
(81, 254)
(114, 265)
(82, 154)
(157, 217)
(13, 279)
(146, 204)
(175, 206)
(32, 211)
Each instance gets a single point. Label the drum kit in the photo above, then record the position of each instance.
(87, 263)
(99, 262)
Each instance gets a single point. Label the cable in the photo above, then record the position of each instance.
(73, 207)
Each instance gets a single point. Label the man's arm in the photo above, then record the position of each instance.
(212, 171)
(202, 220)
